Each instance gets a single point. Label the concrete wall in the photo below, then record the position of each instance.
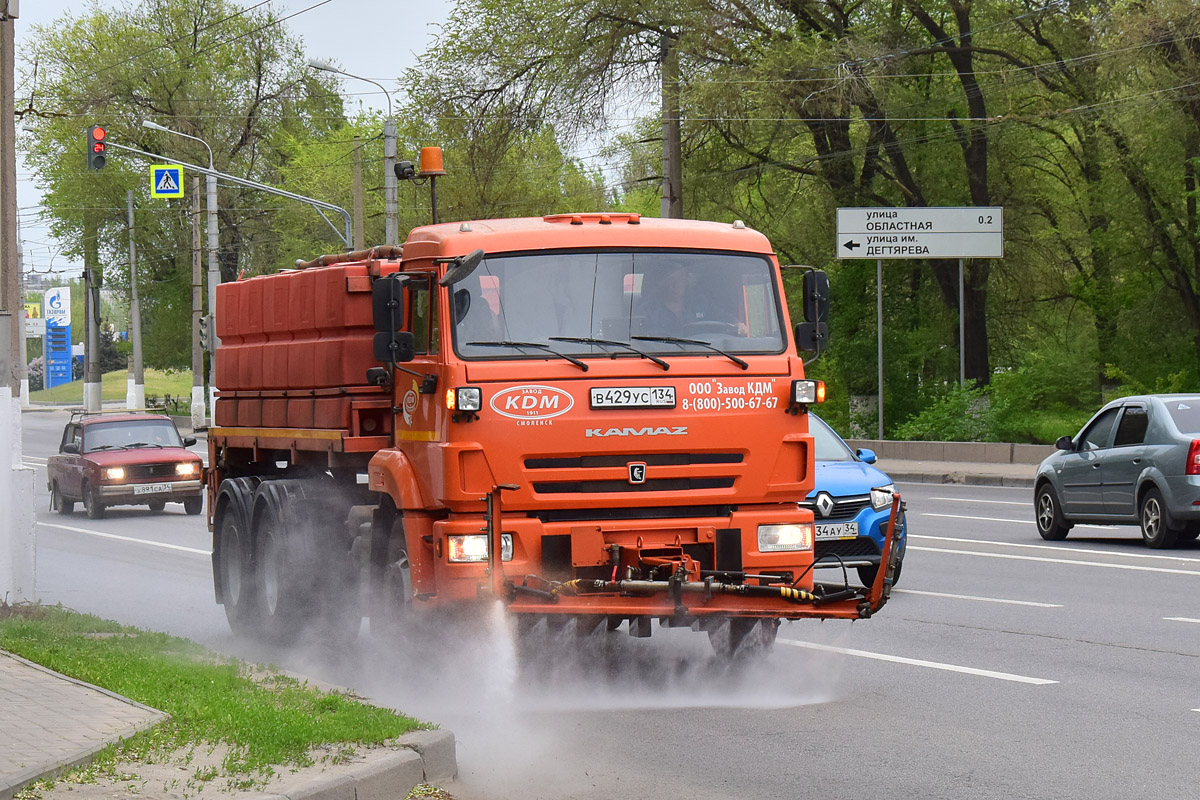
(988, 452)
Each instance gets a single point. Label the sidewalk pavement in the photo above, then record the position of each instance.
(50, 723)
(977, 473)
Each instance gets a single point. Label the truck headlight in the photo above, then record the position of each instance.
(881, 497)
(186, 468)
(464, 398)
(473, 547)
(779, 538)
(114, 474)
(805, 392)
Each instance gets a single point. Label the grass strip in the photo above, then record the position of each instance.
(264, 717)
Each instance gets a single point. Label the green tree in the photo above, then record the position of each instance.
(227, 75)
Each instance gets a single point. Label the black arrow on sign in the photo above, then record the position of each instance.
(850, 245)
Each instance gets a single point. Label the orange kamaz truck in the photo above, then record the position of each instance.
(595, 419)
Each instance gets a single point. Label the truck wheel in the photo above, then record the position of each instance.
(233, 567)
(1050, 522)
(92, 504)
(391, 609)
(739, 638)
(59, 503)
(1158, 530)
(192, 505)
(157, 505)
(302, 567)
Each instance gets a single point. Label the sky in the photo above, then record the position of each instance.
(374, 39)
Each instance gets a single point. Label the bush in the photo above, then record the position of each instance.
(959, 415)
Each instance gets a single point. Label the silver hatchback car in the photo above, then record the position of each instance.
(1136, 462)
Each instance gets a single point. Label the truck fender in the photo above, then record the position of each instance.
(391, 472)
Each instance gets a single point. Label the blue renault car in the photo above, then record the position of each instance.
(851, 503)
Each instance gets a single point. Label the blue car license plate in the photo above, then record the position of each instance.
(837, 530)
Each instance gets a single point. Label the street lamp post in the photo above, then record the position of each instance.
(391, 232)
(214, 278)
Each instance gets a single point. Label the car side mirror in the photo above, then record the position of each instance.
(71, 447)
(866, 456)
(188, 441)
(1064, 443)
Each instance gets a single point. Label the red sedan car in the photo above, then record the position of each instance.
(127, 458)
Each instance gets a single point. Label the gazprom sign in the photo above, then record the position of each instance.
(57, 306)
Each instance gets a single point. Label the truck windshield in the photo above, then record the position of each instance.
(590, 304)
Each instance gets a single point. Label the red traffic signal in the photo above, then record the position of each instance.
(97, 148)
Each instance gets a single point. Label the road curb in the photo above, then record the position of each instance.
(964, 478)
(383, 774)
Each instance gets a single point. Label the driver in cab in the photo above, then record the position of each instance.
(673, 306)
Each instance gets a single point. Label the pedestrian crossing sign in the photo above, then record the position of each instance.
(166, 180)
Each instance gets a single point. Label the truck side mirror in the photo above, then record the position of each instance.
(812, 335)
(387, 302)
(816, 296)
(394, 347)
(71, 448)
(388, 308)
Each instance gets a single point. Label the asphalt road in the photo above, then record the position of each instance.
(1004, 667)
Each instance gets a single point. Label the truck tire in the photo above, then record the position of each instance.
(59, 503)
(192, 505)
(233, 565)
(391, 607)
(92, 504)
(743, 639)
(302, 565)
(1158, 529)
(157, 505)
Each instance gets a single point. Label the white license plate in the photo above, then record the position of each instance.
(837, 530)
(151, 488)
(633, 397)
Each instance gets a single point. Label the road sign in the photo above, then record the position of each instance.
(926, 232)
(57, 309)
(166, 180)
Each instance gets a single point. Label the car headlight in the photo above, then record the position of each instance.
(186, 468)
(114, 474)
(473, 547)
(780, 538)
(881, 497)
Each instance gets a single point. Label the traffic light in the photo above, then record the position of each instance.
(97, 147)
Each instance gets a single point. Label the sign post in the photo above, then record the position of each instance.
(923, 232)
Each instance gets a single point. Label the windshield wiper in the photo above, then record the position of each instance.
(538, 345)
(132, 445)
(706, 345)
(613, 343)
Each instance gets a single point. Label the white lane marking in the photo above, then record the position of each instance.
(981, 599)
(984, 673)
(1105, 565)
(1058, 549)
(37, 461)
(1018, 521)
(1026, 503)
(1171, 619)
(127, 539)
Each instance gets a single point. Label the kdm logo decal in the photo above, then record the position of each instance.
(410, 404)
(531, 402)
